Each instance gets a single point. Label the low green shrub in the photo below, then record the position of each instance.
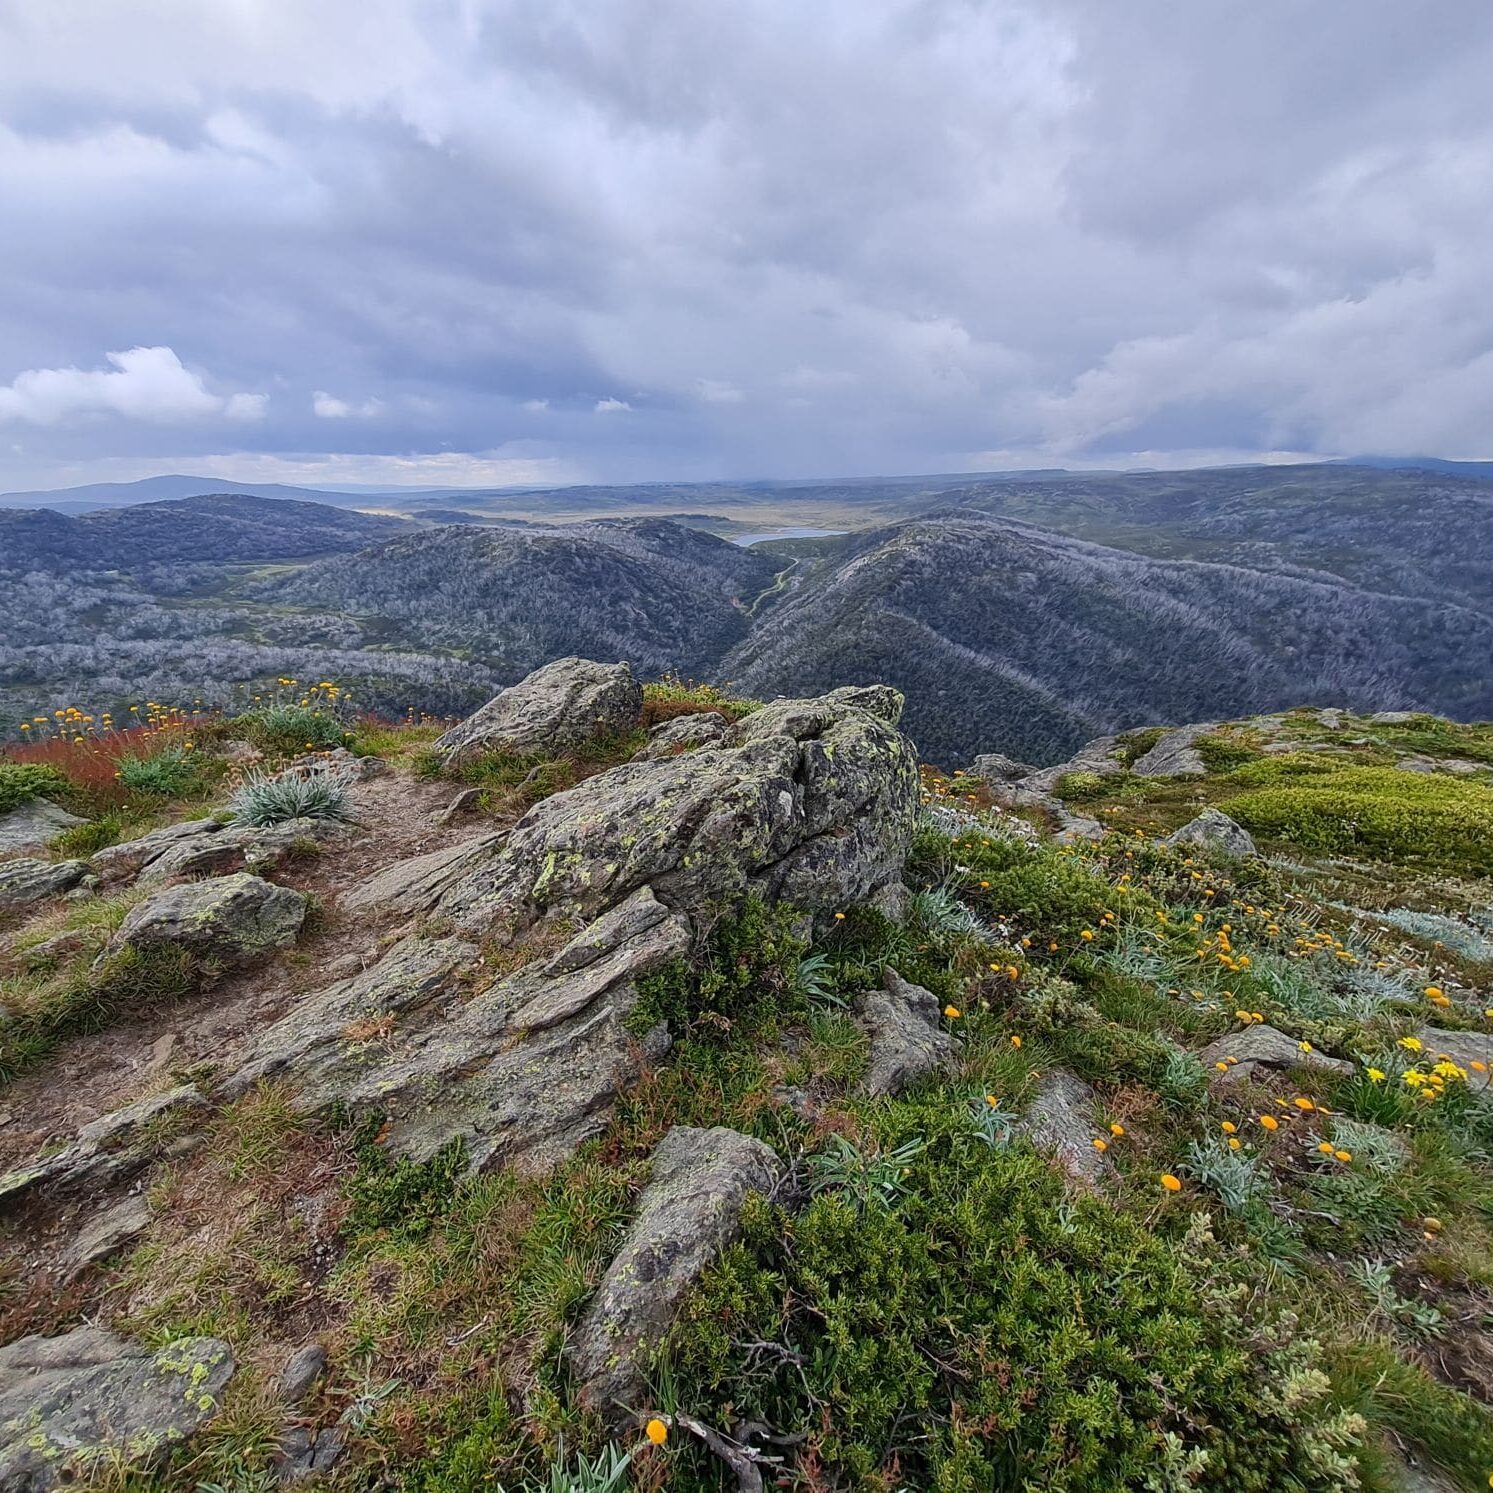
(1224, 753)
(23, 781)
(168, 773)
(1379, 812)
(289, 730)
(1081, 787)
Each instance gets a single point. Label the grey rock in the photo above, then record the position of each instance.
(522, 1072)
(1213, 830)
(685, 733)
(893, 901)
(301, 1371)
(554, 710)
(226, 920)
(996, 767)
(1262, 1046)
(120, 862)
(690, 1209)
(107, 1233)
(349, 765)
(810, 801)
(1392, 717)
(1462, 1048)
(307, 1452)
(1175, 755)
(1454, 766)
(1074, 827)
(71, 1400)
(1332, 720)
(1100, 757)
(23, 882)
(240, 753)
(1060, 1123)
(415, 885)
(242, 847)
(465, 802)
(34, 824)
(106, 1150)
(880, 700)
(907, 1042)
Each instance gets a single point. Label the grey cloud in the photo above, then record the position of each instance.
(867, 235)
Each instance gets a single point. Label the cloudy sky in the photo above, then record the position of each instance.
(463, 241)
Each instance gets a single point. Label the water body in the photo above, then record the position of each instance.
(747, 540)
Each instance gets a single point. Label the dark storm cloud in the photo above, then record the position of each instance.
(474, 240)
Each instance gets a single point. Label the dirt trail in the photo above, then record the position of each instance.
(94, 1074)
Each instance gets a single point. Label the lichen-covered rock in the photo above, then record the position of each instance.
(226, 920)
(690, 1209)
(880, 700)
(685, 733)
(522, 1071)
(34, 824)
(414, 885)
(907, 1042)
(1213, 830)
(811, 801)
(106, 1150)
(1175, 755)
(120, 862)
(554, 710)
(241, 847)
(89, 1396)
(1060, 1123)
(23, 882)
(1262, 1046)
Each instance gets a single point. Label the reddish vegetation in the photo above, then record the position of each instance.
(93, 762)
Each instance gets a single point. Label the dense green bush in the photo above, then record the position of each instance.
(167, 773)
(1224, 753)
(1380, 812)
(20, 781)
(1078, 787)
(291, 729)
(983, 1331)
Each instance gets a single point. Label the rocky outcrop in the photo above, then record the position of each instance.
(26, 881)
(227, 920)
(554, 710)
(811, 801)
(212, 847)
(33, 825)
(522, 1071)
(685, 733)
(907, 1042)
(415, 885)
(1214, 831)
(1262, 1047)
(88, 1397)
(1175, 755)
(107, 1233)
(105, 1151)
(1060, 1123)
(690, 1209)
(1101, 757)
(996, 768)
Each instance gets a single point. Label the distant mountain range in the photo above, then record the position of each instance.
(1020, 613)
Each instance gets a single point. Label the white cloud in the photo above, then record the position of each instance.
(536, 406)
(328, 407)
(717, 391)
(145, 383)
(611, 406)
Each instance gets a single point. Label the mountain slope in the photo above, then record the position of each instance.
(1012, 639)
(220, 528)
(653, 592)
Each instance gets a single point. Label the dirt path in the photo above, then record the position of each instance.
(94, 1074)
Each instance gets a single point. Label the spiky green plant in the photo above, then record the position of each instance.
(266, 798)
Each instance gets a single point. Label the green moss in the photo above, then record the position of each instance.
(1224, 753)
(1378, 812)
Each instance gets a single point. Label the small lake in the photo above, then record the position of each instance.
(747, 540)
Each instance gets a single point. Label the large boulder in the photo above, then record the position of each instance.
(1175, 755)
(225, 920)
(1215, 832)
(520, 1072)
(997, 768)
(554, 710)
(907, 1042)
(33, 825)
(26, 881)
(88, 1398)
(690, 1209)
(810, 801)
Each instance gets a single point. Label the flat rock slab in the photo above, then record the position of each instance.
(415, 885)
(690, 1209)
(1175, 755)
(107, 1233)
(1464, 1049)
(23, 882)
(521, 1072)
(106, 1150)
(34, 824)
(907, 1042)
(87, 1395)
(1261, 1046)
(1060, 1123)
(554, 710)
(227, 919)
(1214, 831)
